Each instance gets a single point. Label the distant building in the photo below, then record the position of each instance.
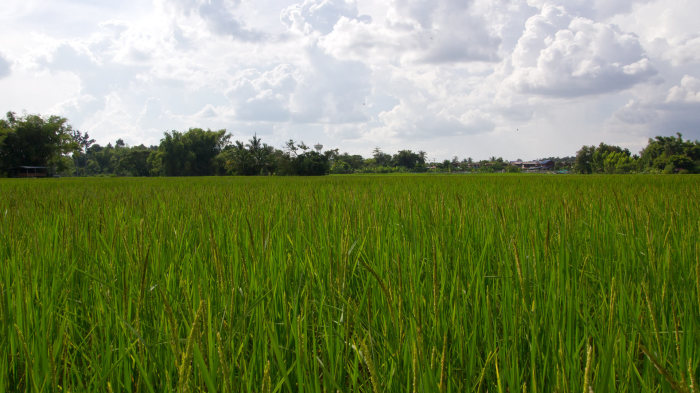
(547, 164)
(533, 166)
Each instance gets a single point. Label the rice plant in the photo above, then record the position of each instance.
(357, 283)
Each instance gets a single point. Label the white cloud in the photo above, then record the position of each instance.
(594, 9)
(38, 92)
(674, 111)
(5, 67)
(320, 15)
(445, 30)
(561, 55)
(434, 32)
(449, 76)
(263, 96)
(331, 90)
(422, 119)
(667, 29)
(687, 92)
(220, 16)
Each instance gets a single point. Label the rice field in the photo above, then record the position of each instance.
(519, 283)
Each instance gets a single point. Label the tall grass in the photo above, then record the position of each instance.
(374, 284)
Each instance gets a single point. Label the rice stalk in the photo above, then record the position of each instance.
(186, 363)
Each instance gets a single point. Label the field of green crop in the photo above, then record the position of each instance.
(361, 283)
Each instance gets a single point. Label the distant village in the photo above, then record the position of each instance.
(498, 165)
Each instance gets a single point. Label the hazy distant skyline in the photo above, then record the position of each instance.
(472, 78)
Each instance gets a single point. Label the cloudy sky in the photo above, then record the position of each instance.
(473, 78)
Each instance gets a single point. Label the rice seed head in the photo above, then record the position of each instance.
(266, 383)
(185, 365)
(442, 363)
(370, 366)
(587, 371)
(691, 373)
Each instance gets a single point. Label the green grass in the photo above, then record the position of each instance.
(359, 283)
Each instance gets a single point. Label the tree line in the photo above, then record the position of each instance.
(51, 142)
(663, 154)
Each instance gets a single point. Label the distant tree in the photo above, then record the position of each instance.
(332, 154)
(262, 156)
(680, 163)
(340, 167)
(381, 158)
(310, 163)
(192, 153)
(657, 155)
(291, 147)
(133, 161)
(603, 159)
(408, 159)
(344, 163)
(238, 160)
(584, 160)
(80, 158)
(36, 141)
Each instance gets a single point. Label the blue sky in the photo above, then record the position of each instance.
(472, 78)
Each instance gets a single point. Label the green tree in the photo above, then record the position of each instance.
(133, 161)
(657, 155)
(584, 160)
(192, 153)
(409, 160)
(262, 156)
(601, 153)
(238, 160)
(80, 157)
(310, 163)
(36, 141)
(381, 158)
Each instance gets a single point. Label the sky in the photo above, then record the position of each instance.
(468, 78)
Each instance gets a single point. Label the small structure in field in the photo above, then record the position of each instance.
(29, 171)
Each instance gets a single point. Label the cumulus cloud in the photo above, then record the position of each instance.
(4, 67)
(427, 105)
(354, 73)
(679, 51)
(561, 55)
(435, 32)
(91, 68)
(263, 96)
(220, 17)
(320, 15)
(445, 31)
(331, 90)
(421, 119)
(595, 9)
(674, 111)
(687, 92)
(323, 90)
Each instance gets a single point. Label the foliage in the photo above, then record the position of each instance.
(254, 158)
(310, 163)
(409, 160)
(604, 159)
(661, 155)
(381, 158)
(191, 153)
(671, 155)
(33, 140)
